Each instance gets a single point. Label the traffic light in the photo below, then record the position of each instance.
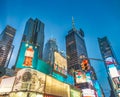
(85, 65)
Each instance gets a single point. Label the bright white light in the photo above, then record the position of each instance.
(39, 95)
(20, 94)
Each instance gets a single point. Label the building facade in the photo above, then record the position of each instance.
(106, 48)
(110, 59)
(75, 48)
(49, 49)
(6, 47)
(34, 34)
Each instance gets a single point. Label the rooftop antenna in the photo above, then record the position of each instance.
(73, 23)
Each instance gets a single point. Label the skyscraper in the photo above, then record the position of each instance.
(75, 48)
(106, 48)
(110, 59)
(34, 33)
(6, 47)
(49, 49)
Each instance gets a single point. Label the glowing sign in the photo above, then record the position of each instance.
(113, 72)
(30, 80)
(27, 56)
(80, 77)
(110, 60)
(75, 93)
(88, 93)
(60, 63)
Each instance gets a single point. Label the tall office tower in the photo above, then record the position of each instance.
(50, 47)
(106, 49)
(34, 34)
(110, 60)
(6, 47)
(75, 48)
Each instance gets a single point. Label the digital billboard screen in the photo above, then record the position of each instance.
(60, 63)
(75, 93)
(110, 60)
(113, 71)
(27, 56)
(30, 80)
(80, 77)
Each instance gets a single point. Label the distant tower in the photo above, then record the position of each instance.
(6, 47)
(34, 34)
(50, 47)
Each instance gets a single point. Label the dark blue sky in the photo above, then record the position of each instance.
(97, 18)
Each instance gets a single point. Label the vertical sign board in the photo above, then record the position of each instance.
(29, 80)
(60, 63)
(27, 57)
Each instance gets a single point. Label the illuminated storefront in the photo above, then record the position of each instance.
(56, 87)
(75, 93)
(29, 80)
(25, 94)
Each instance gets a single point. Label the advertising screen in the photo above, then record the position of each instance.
(7, 84)
(80, 77)
(88, 93)
(88, 78)
(110, 60)
(75, 93)
(116, 81)
(29, 80)
(56, 87)
(113, 71)
(28, 55)
(60, 63)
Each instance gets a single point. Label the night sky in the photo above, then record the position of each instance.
(97, 18)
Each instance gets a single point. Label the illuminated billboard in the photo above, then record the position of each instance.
(74, 93)
(56, 87)
(28, 55)
(113, 71)
(110, 60)
(25, 94)
(29, 80)
(6, 85)
(88, 78)
(116, 81)
(88, 93)
(60, 63)
(80, 77)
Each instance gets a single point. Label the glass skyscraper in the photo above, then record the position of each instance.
(34, 34)
(75, 48)
(6, 47)
(108, 53)
(49, 49)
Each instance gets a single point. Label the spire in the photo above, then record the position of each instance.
(73, 23)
